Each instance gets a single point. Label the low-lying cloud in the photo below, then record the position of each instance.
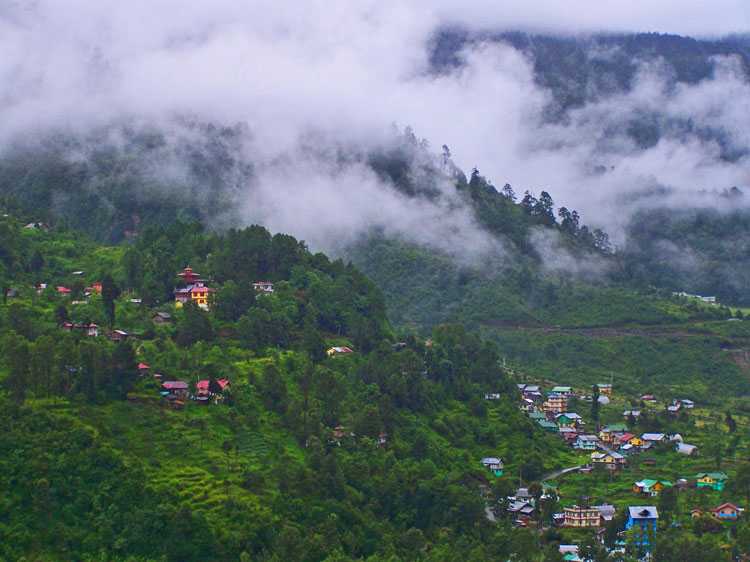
(344, 71)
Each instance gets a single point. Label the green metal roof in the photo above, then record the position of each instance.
(714, 475)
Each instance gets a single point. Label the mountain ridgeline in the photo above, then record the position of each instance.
(582, 68)
(115, 181)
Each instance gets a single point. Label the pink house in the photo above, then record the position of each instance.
(202, 385)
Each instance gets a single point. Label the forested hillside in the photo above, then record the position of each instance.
(579, 68)
(309, 428)
(302, 455)
(376, 282)
(701, 250)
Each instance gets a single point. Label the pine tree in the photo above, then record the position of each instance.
(595, 405)
(731, 424)
(110, 292)
(16, 351)
(61, 314)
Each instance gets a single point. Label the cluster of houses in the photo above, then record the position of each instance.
(641, 517)
(65, 292)
(651, 488)
(724, 512)
(89, 328)
(551, 414)
(92, 330)
(176, 392)
(610, 447)
(522, 507)
(678, 406)
(194, 289)
(612, 444)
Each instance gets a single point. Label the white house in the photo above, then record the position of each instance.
(685, 449)
(263, 286)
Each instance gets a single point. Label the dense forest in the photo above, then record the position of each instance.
(263, 473)
(577, 68)
(304, 454)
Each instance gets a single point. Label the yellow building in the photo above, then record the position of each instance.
(197, 293)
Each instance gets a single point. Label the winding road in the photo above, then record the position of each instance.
(558, 473)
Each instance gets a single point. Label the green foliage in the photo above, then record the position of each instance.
(68, 495)
(370, 455)
(693, 250)
(110, 292)
(373, 454)
(695, 366)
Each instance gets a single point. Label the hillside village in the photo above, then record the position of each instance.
(365, 282)
(605, 464)
(610, 448)
(615, 453)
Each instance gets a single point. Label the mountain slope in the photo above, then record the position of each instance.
(371, 454)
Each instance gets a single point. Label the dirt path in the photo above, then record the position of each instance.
(557, 473)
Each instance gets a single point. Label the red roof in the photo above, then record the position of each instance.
(189, 275)
(203, 384)
(727, 504)
(625, 437)
(63, 290)
(142, 366)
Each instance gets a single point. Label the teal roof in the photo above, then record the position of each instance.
(714, 475)
(719, 475)
(649, 483)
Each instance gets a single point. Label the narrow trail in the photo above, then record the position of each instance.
(557, 473)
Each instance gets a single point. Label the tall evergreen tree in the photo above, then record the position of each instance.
(110, 292)
(595, 405)
(16, 352)
(731, 424)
